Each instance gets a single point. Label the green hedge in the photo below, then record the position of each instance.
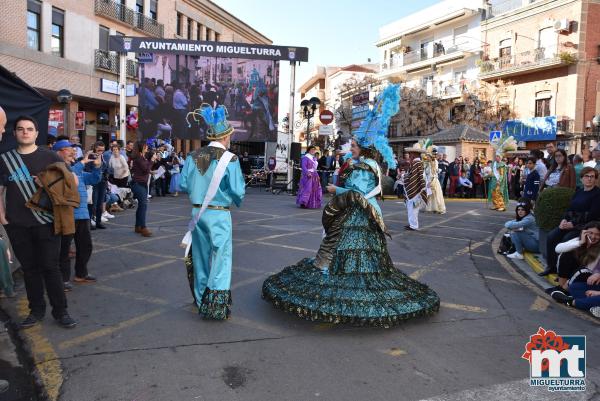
(551, 207)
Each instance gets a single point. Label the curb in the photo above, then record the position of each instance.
(536, 264)
(45, 366)
(521, 276)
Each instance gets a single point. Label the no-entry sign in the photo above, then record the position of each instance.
(326, 117)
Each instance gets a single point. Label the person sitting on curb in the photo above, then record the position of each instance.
(584, 286)
(523, 231)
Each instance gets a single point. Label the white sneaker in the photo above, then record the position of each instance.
(93, 223)
(149, 196)
(515, 255)
(104, 219)
(107, 215)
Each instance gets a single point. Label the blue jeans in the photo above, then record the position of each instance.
(578, 289)
(140, 192)
(98, 198)
(524, 241)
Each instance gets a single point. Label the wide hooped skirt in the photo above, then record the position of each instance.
(362, 287)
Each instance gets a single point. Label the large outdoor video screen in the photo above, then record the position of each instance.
(171, 86)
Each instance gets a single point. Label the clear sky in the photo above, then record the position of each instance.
(337, 32)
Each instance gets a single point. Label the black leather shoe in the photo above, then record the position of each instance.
(546, 272)
(31, 321)
(66, 321)
(100, 226)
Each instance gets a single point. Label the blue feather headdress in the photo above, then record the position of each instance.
(215, 118)
(374, 128)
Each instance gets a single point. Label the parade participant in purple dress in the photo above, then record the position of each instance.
(309, 193)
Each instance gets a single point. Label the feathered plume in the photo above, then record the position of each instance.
(374, 128)
(504, 144)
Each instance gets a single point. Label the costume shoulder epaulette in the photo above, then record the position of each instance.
(234, 158)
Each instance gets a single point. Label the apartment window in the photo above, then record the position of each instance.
(199, 31)
(103, 38)
(190, 23)
(207, 34)
(542, 107)
(154, 9)
(57, 42)
(34, 10)
(179, 23)
(217, 37)
(139, 6)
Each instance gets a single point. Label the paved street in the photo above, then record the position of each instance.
(140, 338)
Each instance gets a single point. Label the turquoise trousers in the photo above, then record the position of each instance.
(212, 252)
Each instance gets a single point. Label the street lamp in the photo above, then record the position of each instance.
(308, 111)
(596, 122)
(64, 97)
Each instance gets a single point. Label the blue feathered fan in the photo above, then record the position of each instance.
(374, 128)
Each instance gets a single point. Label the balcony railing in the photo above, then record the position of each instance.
(430, 52)
(532, 58)
(119, 12)
(109, 61)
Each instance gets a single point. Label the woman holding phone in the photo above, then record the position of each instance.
(582, 260)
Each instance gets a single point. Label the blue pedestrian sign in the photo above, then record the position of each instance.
(145, 57)
(495, 135)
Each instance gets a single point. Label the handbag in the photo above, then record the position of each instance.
(506, 245)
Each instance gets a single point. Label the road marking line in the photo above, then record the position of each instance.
(482, 256)
(540, 304)
(246, 282)
(132, 295)
(504, 280)
(136, 243)
(406, 264)
(394, 351)
(46, 360)
(277, 217)
(417, 274)
(466, 308)
(147, 253)
(138, 270)
(109, 330)
(441, 236)
(465, 229)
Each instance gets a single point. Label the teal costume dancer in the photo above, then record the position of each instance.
(352, 279)
(209, 261)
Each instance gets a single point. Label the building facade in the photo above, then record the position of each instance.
(334, 86)
(63, 44)
(549, 50)
(435, 51)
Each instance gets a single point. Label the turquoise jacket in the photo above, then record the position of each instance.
(232, 187)
(362, 181)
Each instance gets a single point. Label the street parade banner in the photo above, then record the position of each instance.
(178, 76)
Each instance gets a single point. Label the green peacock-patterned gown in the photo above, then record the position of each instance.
(362, 286)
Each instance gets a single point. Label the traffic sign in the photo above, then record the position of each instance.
(495, 135)
(325, 130)
(326, 117)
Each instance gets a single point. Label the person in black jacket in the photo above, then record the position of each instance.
(532, 181)
(584, 207)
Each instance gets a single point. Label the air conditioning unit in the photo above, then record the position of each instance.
(562, 25)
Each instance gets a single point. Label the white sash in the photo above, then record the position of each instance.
(377, 190)
(215, 181)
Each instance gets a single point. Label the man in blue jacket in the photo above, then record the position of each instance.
(82, 236)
